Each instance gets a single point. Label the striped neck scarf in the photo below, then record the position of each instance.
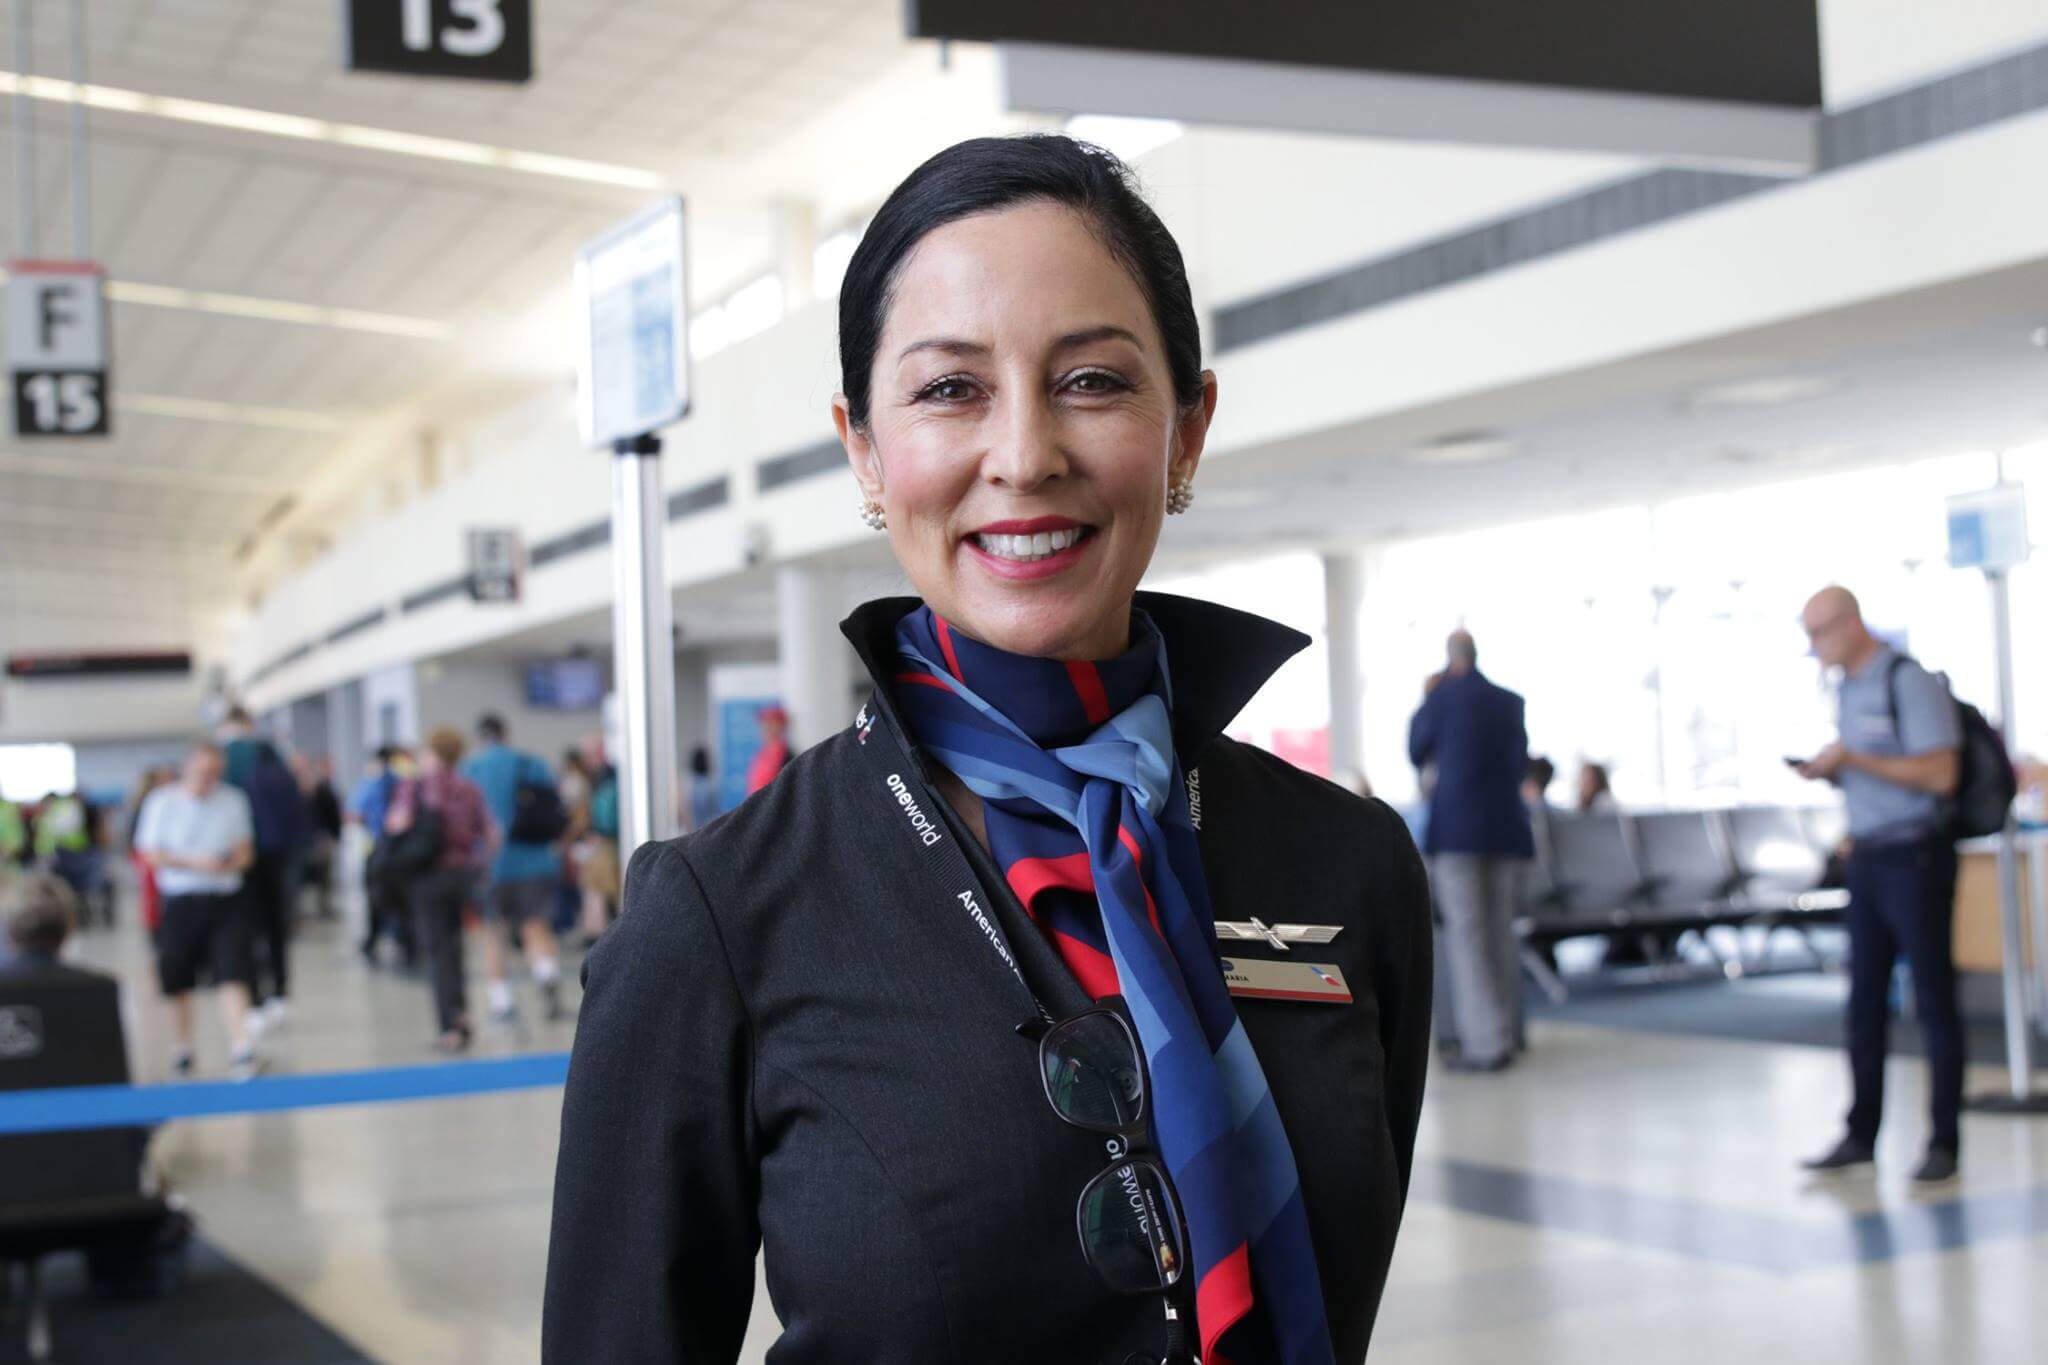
(1087, 817)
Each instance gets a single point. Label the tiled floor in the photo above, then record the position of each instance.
(1621, 1196)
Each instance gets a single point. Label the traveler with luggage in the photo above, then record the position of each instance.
(387, 909)
(520, 792)
(439, 837)
(1917, 770)
(284, 828)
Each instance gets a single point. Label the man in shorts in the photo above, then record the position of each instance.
(198, 835)
(520, 899)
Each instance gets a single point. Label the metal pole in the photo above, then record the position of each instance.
(24, 137)
(643, 655)
(2037, 904)
(2018, 1037)
(81, 167)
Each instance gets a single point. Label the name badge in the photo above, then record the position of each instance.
(1316, 983)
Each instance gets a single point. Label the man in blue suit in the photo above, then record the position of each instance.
(1470, 731)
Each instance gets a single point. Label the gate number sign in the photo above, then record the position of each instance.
(484, 40)
(497, 560)
(57, 349)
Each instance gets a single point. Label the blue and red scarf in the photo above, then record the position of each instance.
(1087, 816)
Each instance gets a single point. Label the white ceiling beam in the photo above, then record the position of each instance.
(152, 524)
(99, 469)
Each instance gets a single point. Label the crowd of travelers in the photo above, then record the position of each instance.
(232, 850)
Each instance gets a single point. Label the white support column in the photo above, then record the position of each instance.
(817, 663)
(796, 239)
(1343, 603)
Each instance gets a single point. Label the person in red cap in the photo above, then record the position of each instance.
(774, 751)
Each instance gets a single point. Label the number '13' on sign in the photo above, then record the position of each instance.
(481, 33)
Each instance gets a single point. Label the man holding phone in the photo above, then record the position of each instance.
(198, 835)
(1897, 762)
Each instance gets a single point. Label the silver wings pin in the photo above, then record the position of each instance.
(1278, 935)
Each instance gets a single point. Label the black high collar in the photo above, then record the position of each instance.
(1218, 657)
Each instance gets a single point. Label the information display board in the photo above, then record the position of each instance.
(478, 40)
(632, 293)
(1988, 530)
(57, 349)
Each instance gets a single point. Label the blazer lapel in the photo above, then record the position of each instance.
(1047, 982)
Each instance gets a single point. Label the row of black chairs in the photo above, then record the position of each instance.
(1663, 876)
(93, 1191)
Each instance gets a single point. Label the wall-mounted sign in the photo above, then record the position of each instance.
(1717, 82)
(1988, 530)
(57, 348)
(497, 564)
(481, 40)
(632, 291)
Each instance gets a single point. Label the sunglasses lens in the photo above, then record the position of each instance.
(1092, 1073)
(1129, 1231)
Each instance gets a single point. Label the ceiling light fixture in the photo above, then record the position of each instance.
(1462, 447)
(207, 410)
(1764, 391)
(304, 129)
(274, 310)
(1129, 138)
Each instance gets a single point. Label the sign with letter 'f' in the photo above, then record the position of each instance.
(57, 348)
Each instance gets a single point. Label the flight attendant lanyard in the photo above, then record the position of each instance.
(920, 820)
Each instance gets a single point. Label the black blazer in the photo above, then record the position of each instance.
(802, 1034)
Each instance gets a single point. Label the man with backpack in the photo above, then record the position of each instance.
(284, 828)
(1900, 762)
(519, 789)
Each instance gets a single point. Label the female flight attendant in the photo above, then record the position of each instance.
(1027, 1019)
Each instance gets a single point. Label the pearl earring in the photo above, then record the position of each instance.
(871, 513)
(1180, 496)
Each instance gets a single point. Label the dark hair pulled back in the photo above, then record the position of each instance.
(988, 174)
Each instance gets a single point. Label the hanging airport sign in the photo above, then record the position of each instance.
(100, 664)
(632, 291)
(1988, 529)
(1733, 83)
(497, 564)
(57, 348)
(480, 40)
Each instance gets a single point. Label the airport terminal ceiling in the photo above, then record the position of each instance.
(305, 292)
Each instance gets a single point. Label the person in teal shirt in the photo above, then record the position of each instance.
(520, 895)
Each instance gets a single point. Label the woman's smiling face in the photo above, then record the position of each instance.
(1023, 430)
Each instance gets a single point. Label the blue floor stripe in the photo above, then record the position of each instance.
(120, 1106)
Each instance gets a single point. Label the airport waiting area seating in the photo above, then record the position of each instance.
(87, 1191)
(1656, 879)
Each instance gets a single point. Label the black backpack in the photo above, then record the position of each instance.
(1985, 782)
(412, 852)
(538, 815)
